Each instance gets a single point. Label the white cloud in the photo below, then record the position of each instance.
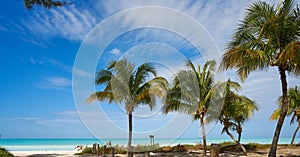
(218, 17)
(74, 22)
(59, 81)
(54, 82)
(116, 52)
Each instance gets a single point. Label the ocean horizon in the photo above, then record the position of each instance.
(40, 144)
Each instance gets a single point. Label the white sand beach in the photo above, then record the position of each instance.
(52, 153)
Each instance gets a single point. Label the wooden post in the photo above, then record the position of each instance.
(98, 150)
(94, 148)
(147, 154)
(112, 151)
(215, 150)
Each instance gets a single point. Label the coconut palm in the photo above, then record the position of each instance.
(236, 111)
(45, 3)
(191, 93)
(125, 84)
(267, 36)
(293, 109)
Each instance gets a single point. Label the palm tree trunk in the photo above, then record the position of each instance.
(237, 142)
(282, 116)
(239, 131)
(129, 153)
(203, 136)
(239, 137)
(295, 133)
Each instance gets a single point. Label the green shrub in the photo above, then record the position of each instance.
(5, 153)
(86, 150)
(227, 143)
(89, 150)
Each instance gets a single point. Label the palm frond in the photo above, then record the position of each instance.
(101, 96)
(293, 104)
(29, 4)
(103, 76)
(142, 74)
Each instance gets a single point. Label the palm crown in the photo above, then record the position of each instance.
(266, 36)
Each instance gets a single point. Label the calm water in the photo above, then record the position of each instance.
(70, 144)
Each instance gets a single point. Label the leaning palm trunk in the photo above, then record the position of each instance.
(129, 149)
(239, 136)
(236, 141)
(295, 133)
(203, 136)
(283, 113)
(239, 131)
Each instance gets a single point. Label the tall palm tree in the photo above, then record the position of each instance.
(293, 109)
(191, 93)
(125, 84)
(236, 111)
(267, 36)
(45, 3)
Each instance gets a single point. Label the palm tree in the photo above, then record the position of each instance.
(293, 108)
(236, 111)
(267, 36)
(45, 3)
(126, 85)
(191, 93)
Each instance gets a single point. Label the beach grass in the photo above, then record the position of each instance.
(5, 153)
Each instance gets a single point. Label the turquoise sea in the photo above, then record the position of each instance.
(70, 144)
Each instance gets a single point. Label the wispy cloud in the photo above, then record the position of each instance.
(20, 118)
(53, 62)
(67, 113)
(69, 117)
(59, 81)
(54, 82)
(74, 22)
(51, 82)
(69, 23)
(47, 62)
(218, 17)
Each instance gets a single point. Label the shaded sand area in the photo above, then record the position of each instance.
(284, 151)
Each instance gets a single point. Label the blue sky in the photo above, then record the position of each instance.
(39, 48)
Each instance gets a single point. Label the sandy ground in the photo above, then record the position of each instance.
(44, 153)
(281, 152)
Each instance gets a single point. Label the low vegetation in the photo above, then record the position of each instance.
(119, 149)
(226, 146)
(5, 153)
